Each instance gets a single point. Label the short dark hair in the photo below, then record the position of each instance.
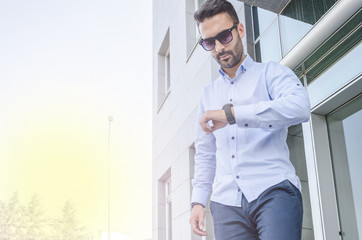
(212, 7)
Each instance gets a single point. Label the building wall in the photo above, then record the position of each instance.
(174, 121)
(174, 117)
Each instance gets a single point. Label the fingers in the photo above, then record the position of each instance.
(204, 124)
(195, 225)
(201, 224)
(197, 221)
(218, 120)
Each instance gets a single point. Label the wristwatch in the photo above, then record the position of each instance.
(228, 113)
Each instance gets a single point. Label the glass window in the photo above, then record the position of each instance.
(298, 18)
(334, 78)
(297, 157)
(346, 37)
(167, 70)
(345, 136)
(192, 32)
(268, 47)
(168, 197)
(261, 19)
(291, 31)
(308, 11)
(164, 70)
(336, 46)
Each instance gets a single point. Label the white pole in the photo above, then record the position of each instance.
(110, 119)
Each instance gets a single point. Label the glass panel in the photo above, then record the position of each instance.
(291, 31)
(192, 32)
(338, 36)
(308, 11)
(345, 38)
(334, 55)
(345, 136)
(337, 52)
(262, 19)
(168, 197)
(268, 47)
(297, 157)
(298, 18)
(336, 76)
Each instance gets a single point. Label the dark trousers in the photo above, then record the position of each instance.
(275, 215)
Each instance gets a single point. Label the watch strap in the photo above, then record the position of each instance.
(228, 113)
(196, 203)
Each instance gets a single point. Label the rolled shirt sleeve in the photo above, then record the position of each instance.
(288, 104)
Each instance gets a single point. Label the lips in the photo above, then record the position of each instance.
(224, 56)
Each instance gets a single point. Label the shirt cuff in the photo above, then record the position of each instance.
(196, 203)
(200, 196)
(245, 116)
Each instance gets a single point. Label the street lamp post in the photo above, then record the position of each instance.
(110, 120)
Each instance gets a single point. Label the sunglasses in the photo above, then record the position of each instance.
(223, 37)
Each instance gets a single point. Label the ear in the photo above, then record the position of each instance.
(241, 30)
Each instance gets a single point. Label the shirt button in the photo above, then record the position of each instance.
(246, 124)
(231, 100)
(232, 138)
(237, 177)
(232, 82)
(232, 156)
(270, 125)
(239, 189)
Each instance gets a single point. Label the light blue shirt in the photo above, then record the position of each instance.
(251, 155)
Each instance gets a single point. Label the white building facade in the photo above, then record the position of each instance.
(321, 41)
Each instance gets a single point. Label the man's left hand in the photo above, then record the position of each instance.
(218, 119)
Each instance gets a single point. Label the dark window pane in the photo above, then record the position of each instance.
(308, 11)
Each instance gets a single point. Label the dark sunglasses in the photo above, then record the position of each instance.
(223, 37)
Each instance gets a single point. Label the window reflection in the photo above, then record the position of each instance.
(262, 19)
(333, 78)
(268, 47)
(345, 136)
(308, 11)
(294, 21)
(298, 18)
(291, 31)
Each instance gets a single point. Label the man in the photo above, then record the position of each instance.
(241, 136)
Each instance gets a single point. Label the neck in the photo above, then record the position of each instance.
(231, 71)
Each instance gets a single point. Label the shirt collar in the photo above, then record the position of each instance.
(242, 68)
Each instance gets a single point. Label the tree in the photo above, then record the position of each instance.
(3, 221)
(11, 221)
(36, 223)
(67, 228)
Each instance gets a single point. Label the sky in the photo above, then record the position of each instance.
(65, 67)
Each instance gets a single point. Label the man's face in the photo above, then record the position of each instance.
(227, 55)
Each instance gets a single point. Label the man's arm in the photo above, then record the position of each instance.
(289, 105)
(205, 164)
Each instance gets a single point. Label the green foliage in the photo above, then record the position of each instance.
(18, 222)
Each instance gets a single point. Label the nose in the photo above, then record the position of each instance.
(218, 46)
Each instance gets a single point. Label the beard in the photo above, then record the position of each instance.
(235, 55)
